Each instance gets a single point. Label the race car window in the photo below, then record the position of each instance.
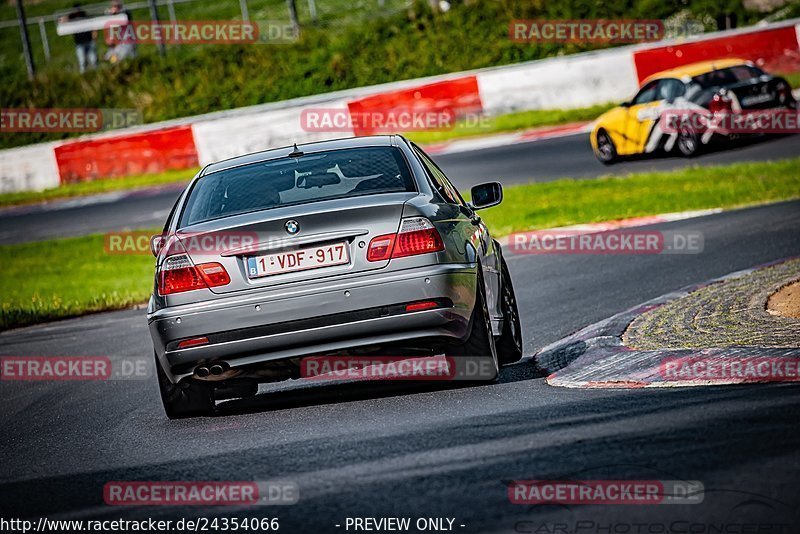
(669, 89)
(649, 93)
(729, 76)
(745, 73)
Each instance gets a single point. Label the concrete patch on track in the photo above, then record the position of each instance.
(620, 353)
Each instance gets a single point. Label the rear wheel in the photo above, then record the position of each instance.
(606, 151)
(509, 343)
(480, 342)
(688, 143)
(187, 398)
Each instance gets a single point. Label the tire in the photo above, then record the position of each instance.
(606, 151)
(480, 341)
(688, 144)
(509, 343)
(187, 398)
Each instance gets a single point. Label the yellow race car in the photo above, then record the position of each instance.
(710, 87)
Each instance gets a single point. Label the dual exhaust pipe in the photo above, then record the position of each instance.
(213, 370)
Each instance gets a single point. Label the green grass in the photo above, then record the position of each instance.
(97, 186)
(793, 78)
(68, 277)
(510, 122)
(565, 202)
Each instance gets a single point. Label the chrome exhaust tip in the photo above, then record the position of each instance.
(202, 372)
(217, 369)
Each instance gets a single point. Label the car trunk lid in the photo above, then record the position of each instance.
(291, 244)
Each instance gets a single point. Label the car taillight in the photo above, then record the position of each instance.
(720, 104)
(177, 274)
(214, 274)
(380, 248)
(417, 235)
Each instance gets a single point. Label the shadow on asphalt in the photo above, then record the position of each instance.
(715, 147)
(304, 395)
(543, 437)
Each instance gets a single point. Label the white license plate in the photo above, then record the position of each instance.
(298, 260)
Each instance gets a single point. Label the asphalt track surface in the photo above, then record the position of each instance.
(436, 451)
(533, 161)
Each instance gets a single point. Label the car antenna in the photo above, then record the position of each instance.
(296, 153)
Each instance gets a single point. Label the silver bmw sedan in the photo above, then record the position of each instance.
(356, 246)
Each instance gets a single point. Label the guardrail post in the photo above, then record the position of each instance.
(26, 41)
(162, 50)
(293, 14)
(45, 42)
(312, 9)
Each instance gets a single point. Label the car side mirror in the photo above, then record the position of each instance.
(486, 195)
(626, 104)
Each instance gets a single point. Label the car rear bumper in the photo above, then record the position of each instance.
(257, 327)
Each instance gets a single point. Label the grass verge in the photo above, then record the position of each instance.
(565, 202)
(68, 277)
(97, 186)
(63, 278)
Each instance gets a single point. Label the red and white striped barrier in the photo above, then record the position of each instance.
(563, 82)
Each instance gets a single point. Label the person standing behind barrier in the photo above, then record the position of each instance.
(126, 47)
(85, 46)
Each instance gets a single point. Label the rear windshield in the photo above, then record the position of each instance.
(289, 181)
(729, 76)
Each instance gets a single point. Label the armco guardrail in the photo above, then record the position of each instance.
(563, 82)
